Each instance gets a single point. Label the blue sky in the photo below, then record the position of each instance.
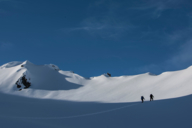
(92, 37)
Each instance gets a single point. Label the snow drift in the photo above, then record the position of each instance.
(49, 82)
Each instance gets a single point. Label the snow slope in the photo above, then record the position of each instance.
(21, 112)
(37, 106)
(49, 82)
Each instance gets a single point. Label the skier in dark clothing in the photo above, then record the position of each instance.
(142, 99)
(151, 97)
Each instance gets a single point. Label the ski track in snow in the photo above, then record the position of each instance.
(75, 116)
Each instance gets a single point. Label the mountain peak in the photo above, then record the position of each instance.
(27, 62)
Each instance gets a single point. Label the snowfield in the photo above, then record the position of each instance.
(49, 82)
(63, 99)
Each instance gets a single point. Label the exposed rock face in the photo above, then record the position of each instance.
(109, 74)
(23, 82)
(18, 86)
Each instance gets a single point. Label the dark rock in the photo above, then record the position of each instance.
(109, 74)
(24, 82)
(17, 83)
(18, 86)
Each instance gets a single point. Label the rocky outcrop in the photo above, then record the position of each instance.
(109, 74)
(23, 82)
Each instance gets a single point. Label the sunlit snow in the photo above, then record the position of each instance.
(63, 99)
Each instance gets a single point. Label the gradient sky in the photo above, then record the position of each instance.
(92, 37)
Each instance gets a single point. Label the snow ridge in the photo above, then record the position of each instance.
(49, 82)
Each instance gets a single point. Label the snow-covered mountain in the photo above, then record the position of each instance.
(43, 96)
(49, 82)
